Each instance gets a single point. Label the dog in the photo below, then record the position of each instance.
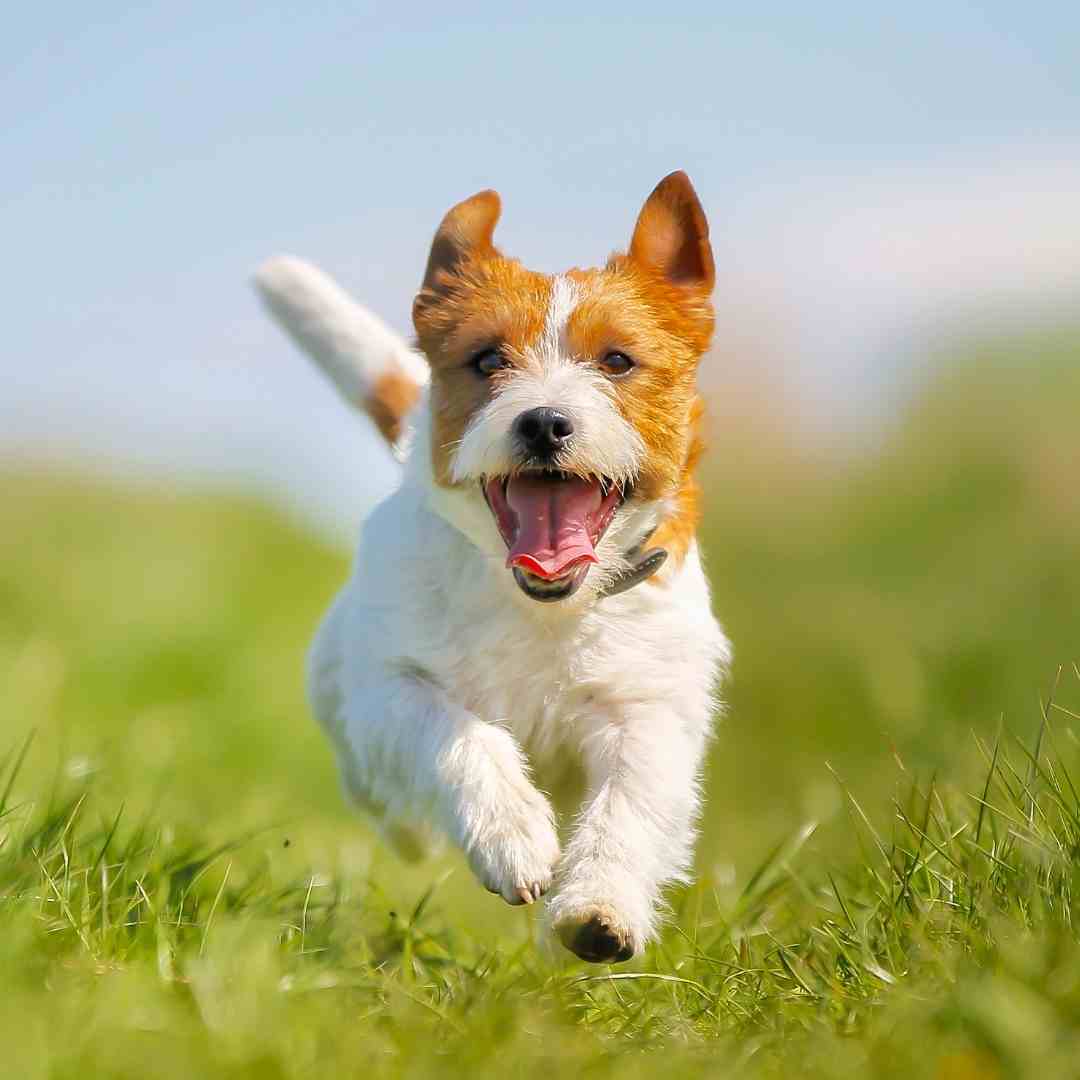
(532, 593)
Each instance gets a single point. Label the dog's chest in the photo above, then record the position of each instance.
(537, 676)
(548, 673)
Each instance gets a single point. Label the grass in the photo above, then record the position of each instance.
(886, 870)
(948, 947)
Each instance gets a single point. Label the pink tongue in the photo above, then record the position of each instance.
(553, 523)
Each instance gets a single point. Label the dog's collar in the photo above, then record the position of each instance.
(643, 564)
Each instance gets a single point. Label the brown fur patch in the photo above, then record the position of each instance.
(664, 329)
(676, 532)
(492, 301)
(390, 401)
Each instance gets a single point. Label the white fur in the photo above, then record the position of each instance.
(442, 686)
(437, 673)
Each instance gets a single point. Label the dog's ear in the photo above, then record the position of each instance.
(465, 233)
(672, 236)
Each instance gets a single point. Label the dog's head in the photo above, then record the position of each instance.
(567, 403)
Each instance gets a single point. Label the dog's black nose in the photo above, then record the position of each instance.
(543, 431)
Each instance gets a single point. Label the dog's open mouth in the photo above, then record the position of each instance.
(551, 523)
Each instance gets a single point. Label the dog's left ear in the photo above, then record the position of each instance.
(672, 236)
(465, 232)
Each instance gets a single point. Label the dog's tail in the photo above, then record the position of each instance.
(372, 366)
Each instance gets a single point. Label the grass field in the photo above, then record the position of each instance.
(887, 866)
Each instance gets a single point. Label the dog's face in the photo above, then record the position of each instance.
(567, 403)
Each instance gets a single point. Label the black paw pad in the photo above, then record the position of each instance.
(600, 943)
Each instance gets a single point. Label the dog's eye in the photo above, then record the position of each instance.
(616, 363)
(488, 361)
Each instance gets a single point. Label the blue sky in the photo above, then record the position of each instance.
(153, 154)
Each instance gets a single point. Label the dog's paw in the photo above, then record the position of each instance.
(515, 857)
(596, 933)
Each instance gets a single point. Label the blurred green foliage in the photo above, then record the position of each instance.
(183, 891)
(892, 602)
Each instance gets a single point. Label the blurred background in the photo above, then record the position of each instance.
(893, 524)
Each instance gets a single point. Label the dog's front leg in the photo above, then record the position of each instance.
(634, 835)
(414, 750)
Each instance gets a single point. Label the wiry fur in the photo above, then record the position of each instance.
(443, 686)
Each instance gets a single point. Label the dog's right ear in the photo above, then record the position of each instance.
(671, 237)
(465, 233)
